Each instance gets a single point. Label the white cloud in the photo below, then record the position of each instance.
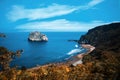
(58, 25)
(91, 4)
(19, 12)
(94, 2)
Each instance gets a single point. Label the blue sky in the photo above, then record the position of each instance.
(56, 15)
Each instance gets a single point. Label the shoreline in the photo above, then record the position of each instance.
(77, 59)
(80, 56)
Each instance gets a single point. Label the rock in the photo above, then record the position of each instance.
(37, 36)
(73, 40)
(2, 35)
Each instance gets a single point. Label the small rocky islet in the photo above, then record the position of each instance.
(37, 37)
(2, 35)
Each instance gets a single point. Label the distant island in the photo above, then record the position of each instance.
(102, 63)
(71, 40)
(2, 35)
(37, 36)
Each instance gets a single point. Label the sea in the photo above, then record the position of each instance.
(57, 49)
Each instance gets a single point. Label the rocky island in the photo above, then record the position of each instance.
(37, 36)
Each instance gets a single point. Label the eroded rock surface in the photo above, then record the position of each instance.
(37, 36)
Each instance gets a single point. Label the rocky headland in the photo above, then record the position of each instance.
(106, 56)
(105, 38)
(37, 36)
(108, 34)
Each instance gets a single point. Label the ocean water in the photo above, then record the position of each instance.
(57, 49)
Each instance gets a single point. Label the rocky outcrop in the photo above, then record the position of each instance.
(37, 36)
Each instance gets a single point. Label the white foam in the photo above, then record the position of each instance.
(76, 46)
(74, 51)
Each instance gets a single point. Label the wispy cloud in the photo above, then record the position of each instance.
(91, 4)
(59, 25)
(20, 12)
(94, 2)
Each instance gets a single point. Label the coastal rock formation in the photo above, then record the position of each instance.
(102, 34)
(37, 36)
(104, 38)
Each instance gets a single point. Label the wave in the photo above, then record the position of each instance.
(76, 46)
(74, 51)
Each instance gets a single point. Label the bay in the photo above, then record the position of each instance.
(57, 49)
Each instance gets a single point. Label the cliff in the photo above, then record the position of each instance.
(108, 34)
(107, 53)
(105, 37)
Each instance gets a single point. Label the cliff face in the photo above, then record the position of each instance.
(108, 35)
(104, 38)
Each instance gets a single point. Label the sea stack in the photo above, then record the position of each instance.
(37, 36)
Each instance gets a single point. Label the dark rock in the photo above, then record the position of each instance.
(73, 40)
(2, 35)
(105, 34)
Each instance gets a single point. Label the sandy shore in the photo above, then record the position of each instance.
(89, 48)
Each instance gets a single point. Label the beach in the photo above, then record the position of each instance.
(78, 59)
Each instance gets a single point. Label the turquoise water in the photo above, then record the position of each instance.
(57, 49)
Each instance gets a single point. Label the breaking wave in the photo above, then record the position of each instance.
(76, 46)
(74, 51)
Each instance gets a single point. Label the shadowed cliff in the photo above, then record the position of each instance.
(108, 34)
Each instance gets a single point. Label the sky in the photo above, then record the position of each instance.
(57, 15)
